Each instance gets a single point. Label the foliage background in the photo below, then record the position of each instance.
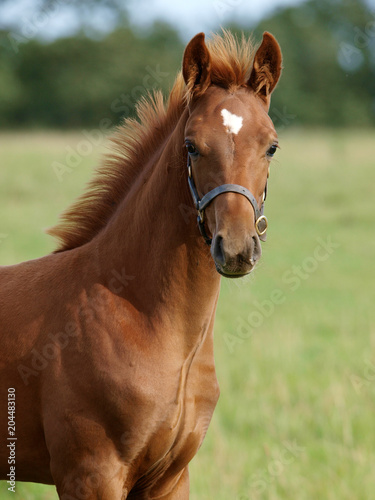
(328, 78)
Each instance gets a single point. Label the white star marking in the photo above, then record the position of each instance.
(232, 123)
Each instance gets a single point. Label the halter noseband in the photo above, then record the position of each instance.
(200, 204)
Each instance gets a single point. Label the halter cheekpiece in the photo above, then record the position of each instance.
(200, 204)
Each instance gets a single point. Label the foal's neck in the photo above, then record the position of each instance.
(154, 243)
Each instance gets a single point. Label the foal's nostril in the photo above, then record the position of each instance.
(236, 256)
(218, 251)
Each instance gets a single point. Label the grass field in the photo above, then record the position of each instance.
(294, 342)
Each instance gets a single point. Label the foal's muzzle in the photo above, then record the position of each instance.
(234, 260)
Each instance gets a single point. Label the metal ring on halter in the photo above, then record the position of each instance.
(259, 220)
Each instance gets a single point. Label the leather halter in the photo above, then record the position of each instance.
(200, 204)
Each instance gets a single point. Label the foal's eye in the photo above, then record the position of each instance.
(272, 150)
(192, 150)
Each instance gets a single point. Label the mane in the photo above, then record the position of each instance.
(137, 138)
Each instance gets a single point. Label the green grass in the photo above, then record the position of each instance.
(303, 375)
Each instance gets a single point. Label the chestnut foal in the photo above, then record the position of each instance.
(107, 343)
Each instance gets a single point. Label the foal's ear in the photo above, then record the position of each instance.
(266, 67)
(196, 65)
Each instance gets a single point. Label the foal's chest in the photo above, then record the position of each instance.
(171, 406)
(159, 394)
(183, 420)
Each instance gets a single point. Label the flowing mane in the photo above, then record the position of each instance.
(137, 138)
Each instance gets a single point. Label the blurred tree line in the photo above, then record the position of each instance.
(328, 78)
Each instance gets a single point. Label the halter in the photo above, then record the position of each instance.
(200, 204)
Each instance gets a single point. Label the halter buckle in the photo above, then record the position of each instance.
(259, 221)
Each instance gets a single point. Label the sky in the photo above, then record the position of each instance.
(189, 17)
(193, 16)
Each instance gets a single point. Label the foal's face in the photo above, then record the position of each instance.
(231, 140)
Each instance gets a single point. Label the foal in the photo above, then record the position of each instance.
(107, 344)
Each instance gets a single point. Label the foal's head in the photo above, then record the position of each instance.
(231, 140)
